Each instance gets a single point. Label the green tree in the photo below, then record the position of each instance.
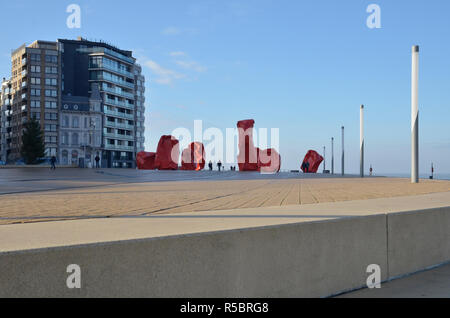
(33, 146)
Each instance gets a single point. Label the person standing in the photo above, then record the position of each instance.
(53, 163)
(97, 162)
(210, 165)
(370, 170)
(219, 164)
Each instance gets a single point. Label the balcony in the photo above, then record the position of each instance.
(24, 73)
(24, 61)
(119, 114)
(117, 147)
(119, 136)
(118, 103)
(101, 77)
(24, 85)
(24, 108)
(117, 92)
(24, 96)
(118, 125)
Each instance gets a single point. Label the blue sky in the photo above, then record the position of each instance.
(301, 66)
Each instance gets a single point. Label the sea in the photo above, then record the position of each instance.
(437, 176)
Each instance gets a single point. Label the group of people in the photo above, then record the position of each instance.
(220, 167)
(53, 162)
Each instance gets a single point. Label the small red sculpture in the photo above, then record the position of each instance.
(311, 162)
(193, 157)
(145, 160)
(167, 153)
(248, 154)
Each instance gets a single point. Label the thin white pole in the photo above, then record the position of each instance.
(343, 171)
(361, 141)
(415, 115)
(332, 155)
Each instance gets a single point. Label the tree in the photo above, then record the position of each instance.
(33, 146)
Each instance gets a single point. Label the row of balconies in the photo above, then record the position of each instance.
(119, 114)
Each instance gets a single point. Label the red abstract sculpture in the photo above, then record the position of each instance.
(145, 160)
(167, 153)
(193, 157)
(311, 162)
(269, 160)
(248, 154)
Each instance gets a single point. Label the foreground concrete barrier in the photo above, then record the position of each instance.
(293, 260)
(418, 240)
(299, 259)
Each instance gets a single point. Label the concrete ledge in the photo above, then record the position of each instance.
(418, 240)
(294, 260)
(295, 251)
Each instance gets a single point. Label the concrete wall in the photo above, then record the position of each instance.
(417, 240)
(293, 260)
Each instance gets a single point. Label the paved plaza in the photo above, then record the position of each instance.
(38, 194)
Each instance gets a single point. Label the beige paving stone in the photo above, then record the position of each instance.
(192, 196)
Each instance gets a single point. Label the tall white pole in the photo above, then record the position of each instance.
(415, 115)
(342, 163)
(361, 141)
(332, 155)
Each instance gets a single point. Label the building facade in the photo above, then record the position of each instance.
(35, 92)
(5, 119)
(80, 130)
(88, 97)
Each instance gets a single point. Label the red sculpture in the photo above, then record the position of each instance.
(311, 162)
(193, 157)
(167, 153)
(145, 160)
(269, 160)
(248, 154)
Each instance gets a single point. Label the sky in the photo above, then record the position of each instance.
(304, 67)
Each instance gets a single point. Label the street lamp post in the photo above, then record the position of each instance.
(361, 141)
(342, 163)
(332, 155)
(415, 115)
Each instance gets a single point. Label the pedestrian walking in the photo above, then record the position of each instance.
(210, 165)
(97, 161)
(219, 164)
(53, 163)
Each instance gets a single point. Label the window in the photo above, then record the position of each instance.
(51, 59)
(65, 121)
(75, 122)
(51, 93)
(49, 104)
(35, 81)
(75, 139)
(35, 92)
(65, 138)
(51, 70)
(48, 139)
(35, 57)
(35, 104)
(51, 81)
(51, 116)
(36, 115)
(49, 127)
(35, 69)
